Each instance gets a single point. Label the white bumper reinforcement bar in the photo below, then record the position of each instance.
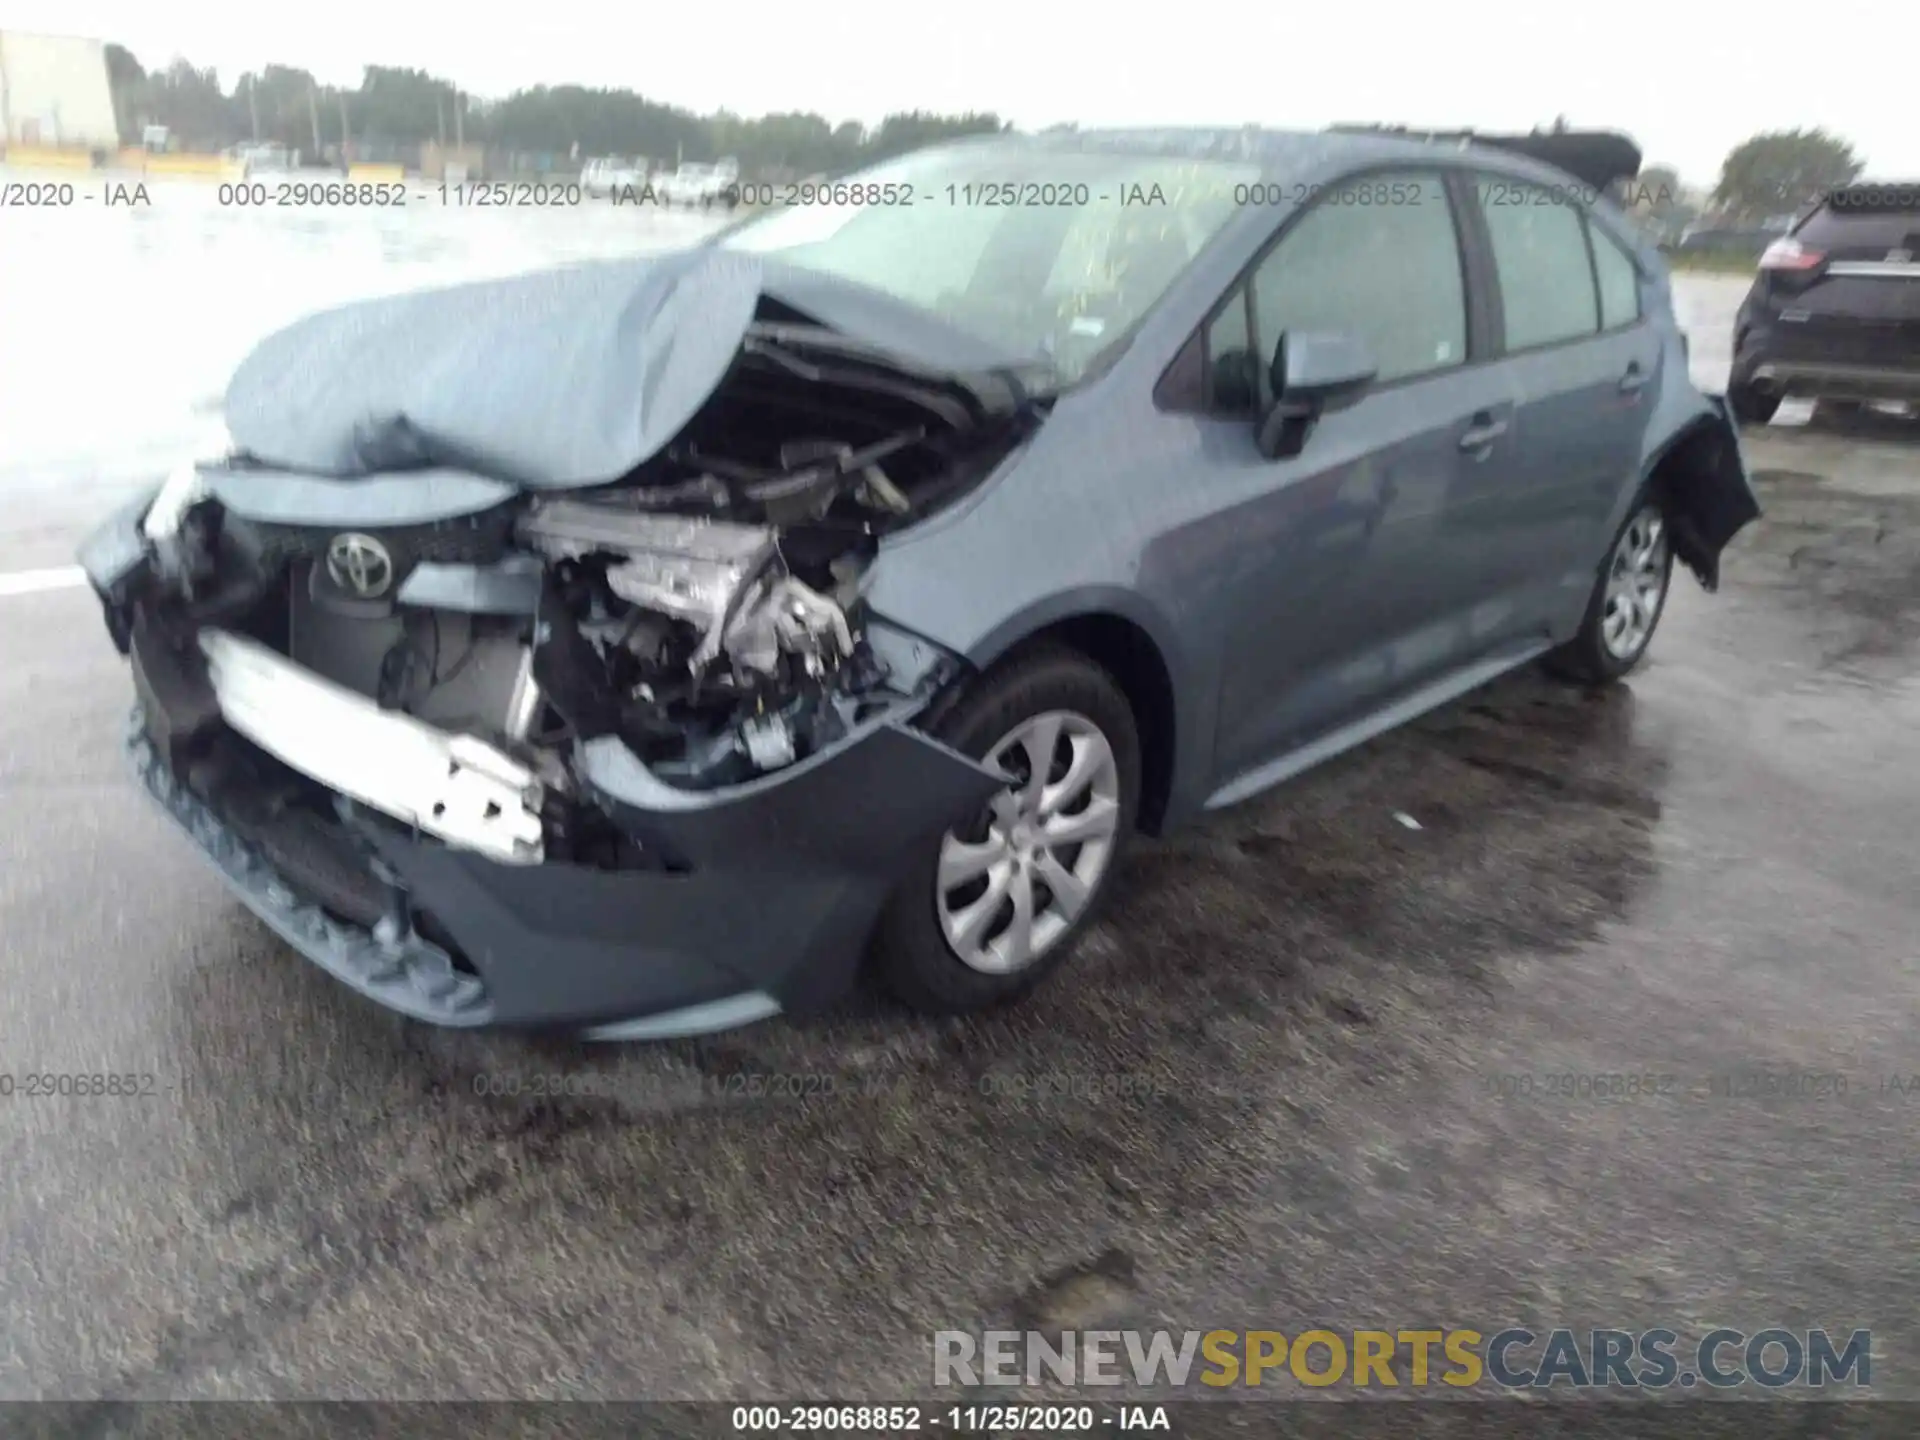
(456, 787)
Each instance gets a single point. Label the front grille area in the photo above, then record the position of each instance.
(451, 668)
(470, 540)
(454, 670)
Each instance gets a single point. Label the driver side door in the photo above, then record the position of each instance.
(1352, 588)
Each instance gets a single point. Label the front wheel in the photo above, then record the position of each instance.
(1000, 900)
(1629, 597)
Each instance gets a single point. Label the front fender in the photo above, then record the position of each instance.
(1190, 691)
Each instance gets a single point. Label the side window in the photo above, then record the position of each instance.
(1378, 258)
(1619, 280)
(1540, 254)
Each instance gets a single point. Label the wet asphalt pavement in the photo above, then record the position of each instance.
(1296, 1022)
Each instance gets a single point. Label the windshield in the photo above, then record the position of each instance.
(1050, 254)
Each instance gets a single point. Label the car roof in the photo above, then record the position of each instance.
(1289, 152)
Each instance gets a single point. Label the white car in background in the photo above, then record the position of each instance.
(609, 177)
(704, 185)
(264, 159)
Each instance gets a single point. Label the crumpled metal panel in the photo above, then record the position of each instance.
(561, 378)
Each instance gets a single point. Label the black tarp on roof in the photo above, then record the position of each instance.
(1595, 157)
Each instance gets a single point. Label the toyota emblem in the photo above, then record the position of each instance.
(361, 564)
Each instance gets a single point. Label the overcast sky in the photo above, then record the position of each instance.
(1688, 79)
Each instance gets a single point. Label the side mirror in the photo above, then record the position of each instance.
(1313, 372)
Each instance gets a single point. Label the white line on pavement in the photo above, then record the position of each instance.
(32, 582)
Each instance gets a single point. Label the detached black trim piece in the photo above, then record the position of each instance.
(403, 973)
(170, 681)
(1705, 492)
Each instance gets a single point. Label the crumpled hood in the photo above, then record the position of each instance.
(566, 377)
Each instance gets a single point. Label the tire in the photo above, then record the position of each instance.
(1750, 406)
(1598, 654)
(913, 958)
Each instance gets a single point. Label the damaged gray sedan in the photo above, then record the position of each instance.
(647, 647)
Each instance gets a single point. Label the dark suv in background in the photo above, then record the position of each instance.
(1834, 314)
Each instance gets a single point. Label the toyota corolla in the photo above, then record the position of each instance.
(649, 646)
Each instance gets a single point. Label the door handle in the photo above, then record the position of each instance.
(1634, 380)
(1482, 433)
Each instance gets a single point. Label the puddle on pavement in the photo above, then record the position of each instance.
(1102, 1293)
(1844, 559)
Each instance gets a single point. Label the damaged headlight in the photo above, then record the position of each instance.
(184, 488)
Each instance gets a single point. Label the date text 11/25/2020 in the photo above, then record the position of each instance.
(840, 1419)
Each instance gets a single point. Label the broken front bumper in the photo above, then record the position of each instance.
(762, 898)
(454, 787)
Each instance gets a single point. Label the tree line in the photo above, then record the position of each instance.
(394, 110)
(1763, 178)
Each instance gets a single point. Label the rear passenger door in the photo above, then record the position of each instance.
(1579, 358)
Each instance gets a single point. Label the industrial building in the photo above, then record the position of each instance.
(54, 92)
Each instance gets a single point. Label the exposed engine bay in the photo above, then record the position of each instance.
(704, 608)
(717, 590)
(697, 625)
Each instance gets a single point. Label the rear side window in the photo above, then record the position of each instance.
(1540, 254)
(1618, 278)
